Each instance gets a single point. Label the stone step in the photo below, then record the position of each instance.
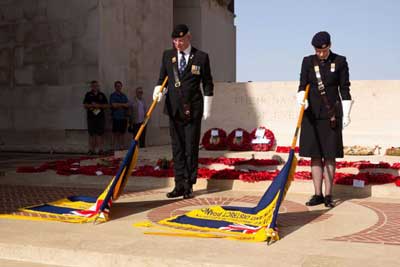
(49, 178)
(13, 263)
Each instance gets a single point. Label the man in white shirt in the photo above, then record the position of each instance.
(138, 109)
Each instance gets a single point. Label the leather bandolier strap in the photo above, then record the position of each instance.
(321, 89)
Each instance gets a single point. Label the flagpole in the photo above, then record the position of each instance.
(148, 114)
(300, 118)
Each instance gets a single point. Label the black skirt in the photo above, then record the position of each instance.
(319, 140)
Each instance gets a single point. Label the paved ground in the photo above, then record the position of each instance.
(362, 230)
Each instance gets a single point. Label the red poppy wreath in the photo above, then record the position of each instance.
(214, 139)
(239, 140)
(262, 139)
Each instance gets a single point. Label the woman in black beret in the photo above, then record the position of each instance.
(327, 112)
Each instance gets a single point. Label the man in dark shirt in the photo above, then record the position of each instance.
(95, 102)
(119, 114)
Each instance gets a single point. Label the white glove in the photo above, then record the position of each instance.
(300, 99)
(157, 94)
(207, 107)
(346, 104)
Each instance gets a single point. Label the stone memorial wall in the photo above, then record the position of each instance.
(374, 117)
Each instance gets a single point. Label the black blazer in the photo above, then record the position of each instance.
(197, 71)
(335, 76)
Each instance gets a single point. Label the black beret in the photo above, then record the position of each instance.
(321, 40)
(179, 31)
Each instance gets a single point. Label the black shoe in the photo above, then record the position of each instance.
(329, 202)
(177, 192)
(315, 200)
(188, 190)
(188, 194)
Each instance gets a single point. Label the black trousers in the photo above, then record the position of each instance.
(142, 139)
(185, 139)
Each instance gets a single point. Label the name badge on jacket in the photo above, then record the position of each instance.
(333, 67)
(195, 70)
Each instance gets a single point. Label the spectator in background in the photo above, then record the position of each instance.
(95, 102)
(137, 113)
(119, 113)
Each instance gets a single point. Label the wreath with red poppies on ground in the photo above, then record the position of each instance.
(268, 134)
(217, 142)
(239, 143)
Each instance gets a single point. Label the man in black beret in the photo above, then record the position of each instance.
(186, 104)
(327, 113)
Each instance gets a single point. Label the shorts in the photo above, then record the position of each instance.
(96, 125)
(119, 126)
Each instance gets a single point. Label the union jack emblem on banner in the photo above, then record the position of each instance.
(242, 228)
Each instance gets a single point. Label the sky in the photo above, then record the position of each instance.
(273, 37)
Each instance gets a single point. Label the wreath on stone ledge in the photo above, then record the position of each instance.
(214, 139)
(262, 139)
(393, 151)
(359, 150)
(239, 140)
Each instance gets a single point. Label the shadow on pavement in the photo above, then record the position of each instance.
(124, 209)
(293, 221)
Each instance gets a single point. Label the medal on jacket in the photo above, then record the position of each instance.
(196, 70)
(333, 67)
(173, 60)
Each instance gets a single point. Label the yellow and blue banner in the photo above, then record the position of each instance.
(83, 209)
(256, 223)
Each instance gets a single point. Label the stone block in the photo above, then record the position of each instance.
(89, 50)
(7, 33)
(47, 53)
(72, 29)
(5, 76)
(12, 12)
(6, 93)
(38, 54)
(65, 10)
(28, 98)
(30, 9)
(26, 119)
(73, 74)
(5, 57)
(19, 57)
(46, 74)
(24, 76)
(41, 32)
(64, 52)
(5, 118)
(23, 32)
(76, 136)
